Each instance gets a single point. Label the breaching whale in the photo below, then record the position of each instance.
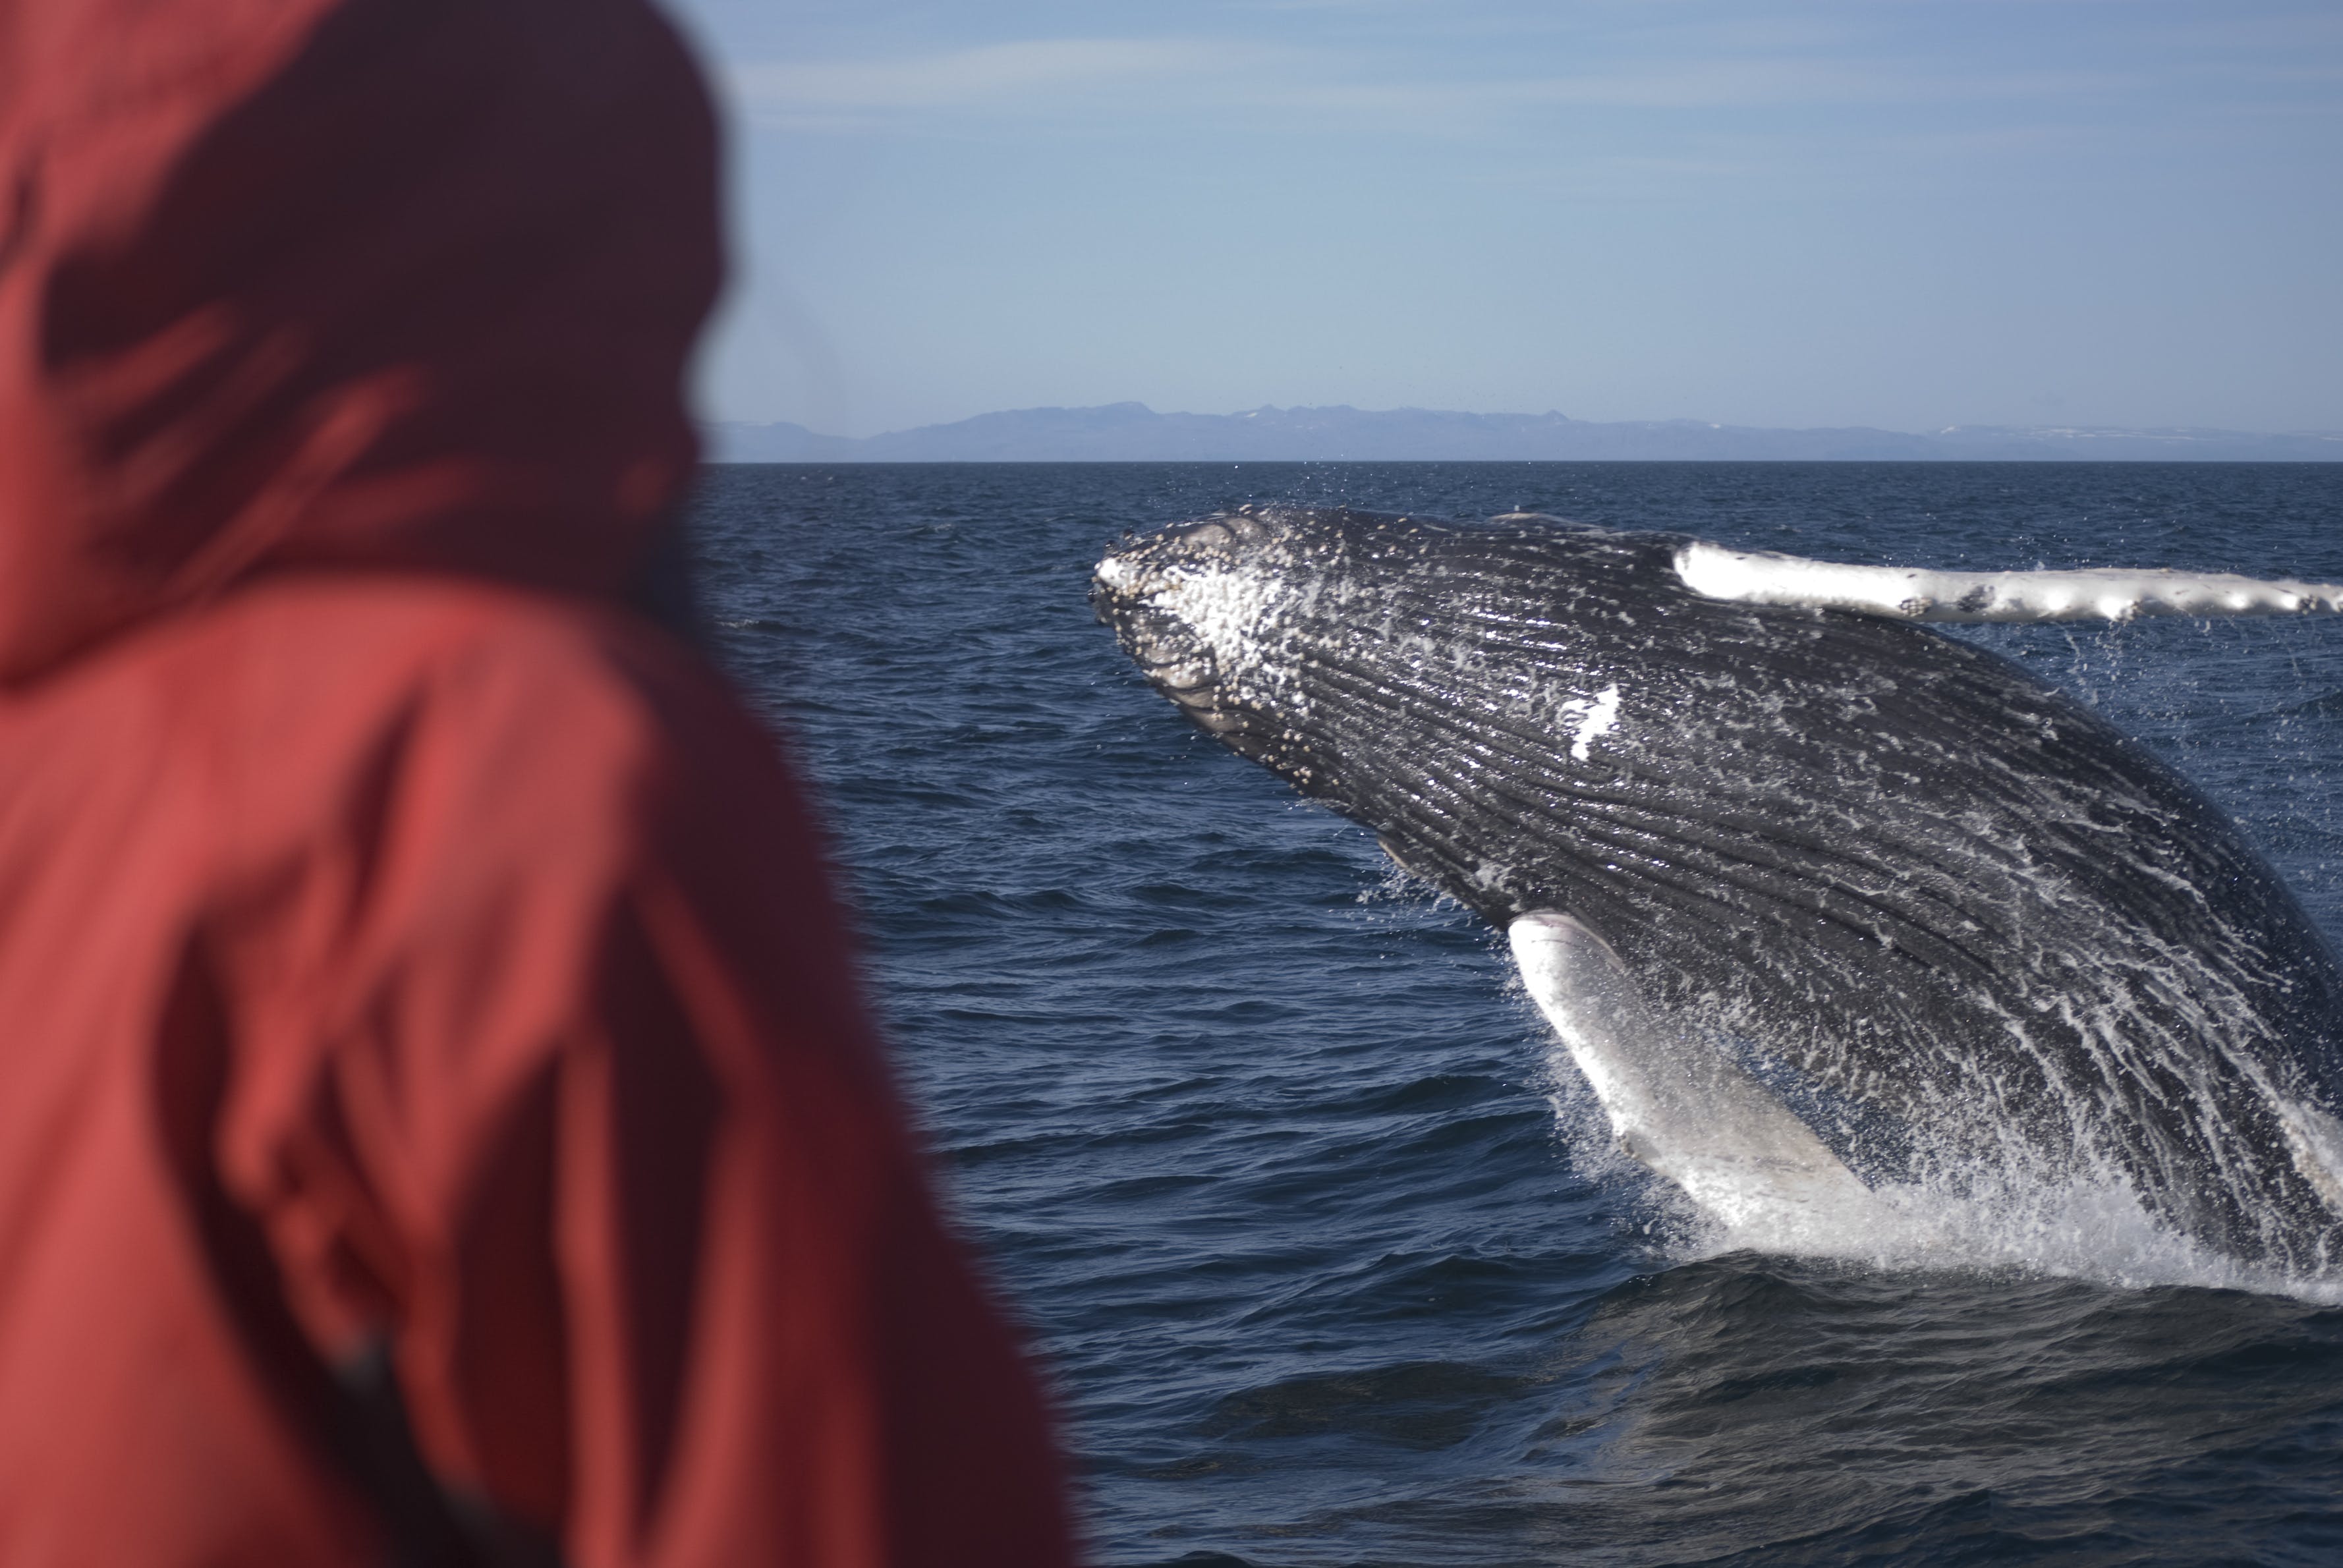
(1821, 901)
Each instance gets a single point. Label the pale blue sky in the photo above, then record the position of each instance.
(1901, 213)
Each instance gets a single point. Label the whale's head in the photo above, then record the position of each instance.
(1195, 606)
(1365, 658)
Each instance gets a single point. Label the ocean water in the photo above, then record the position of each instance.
(1268, 1153)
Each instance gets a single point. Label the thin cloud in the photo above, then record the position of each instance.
(1704, 88)
(1275, 88)
(990, 75)
(1770, 84)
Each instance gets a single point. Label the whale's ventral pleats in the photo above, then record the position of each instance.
(1997, 947)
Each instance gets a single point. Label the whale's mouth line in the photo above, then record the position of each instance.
(1171, 655)
(1196, 689)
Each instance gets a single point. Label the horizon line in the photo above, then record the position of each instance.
(2062, 428)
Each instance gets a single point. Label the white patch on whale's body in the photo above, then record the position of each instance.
(1591, 719)
(1909, 593)
(1674, 1102)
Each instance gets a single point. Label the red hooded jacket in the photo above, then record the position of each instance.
(436, 1117)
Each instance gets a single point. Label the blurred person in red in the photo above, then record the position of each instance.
(436, 1123)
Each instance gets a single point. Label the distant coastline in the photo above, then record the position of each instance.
(1133, 432)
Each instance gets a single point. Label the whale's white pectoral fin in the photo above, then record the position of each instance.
(1908, 593)
(2315, 1139)
(1673, 1102)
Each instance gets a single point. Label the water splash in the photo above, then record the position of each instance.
(1973, 1220)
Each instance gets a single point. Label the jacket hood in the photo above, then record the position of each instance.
(396, 284)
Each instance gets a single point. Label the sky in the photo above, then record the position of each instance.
(1907, 214)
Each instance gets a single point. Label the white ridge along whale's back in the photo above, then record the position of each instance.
(1909, 593)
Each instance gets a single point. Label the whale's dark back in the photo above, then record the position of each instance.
(1888, 863)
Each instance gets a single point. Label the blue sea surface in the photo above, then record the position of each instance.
(1264, 1145)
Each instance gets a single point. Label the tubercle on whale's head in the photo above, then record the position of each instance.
(1185, 604)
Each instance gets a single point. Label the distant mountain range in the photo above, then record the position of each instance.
(1133, 432)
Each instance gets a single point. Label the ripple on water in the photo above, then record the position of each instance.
(1276, 1179)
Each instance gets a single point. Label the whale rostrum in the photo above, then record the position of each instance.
(1818, 900)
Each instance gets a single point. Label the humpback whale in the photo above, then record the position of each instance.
(1822, 902)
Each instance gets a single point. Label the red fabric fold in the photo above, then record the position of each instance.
(401, 944)
(382, 282)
